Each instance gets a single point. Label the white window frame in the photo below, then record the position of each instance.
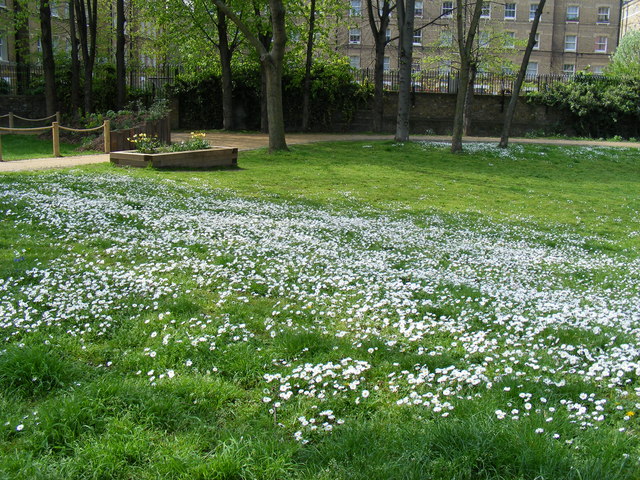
(419, 8)
(447, 9)
(508, 10)
(533, 7)
(601, 47)
(510, 38)
(573, 16)
(417, 37)
(387, 35)
(486, 10)
(354, 61)
(570, 46)
(531, 72)
(569, 71)
(386, 64)
(603, 17)
(536, 46)
(446, 38)
(356, 8)
(4, 51)
(355, 36)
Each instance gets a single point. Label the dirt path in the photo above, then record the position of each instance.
(252, 141)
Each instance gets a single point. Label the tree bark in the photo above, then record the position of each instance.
(468, 101)
(75, 61)
(465, 45)
(21, 41)
(306, 91)
(379, 32)
(48, 62)
(272, 64)
(513, 101)
(406, 10)
(225, 64)
(87, 22)
(120, 55)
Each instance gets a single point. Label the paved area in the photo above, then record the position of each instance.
(251, 141)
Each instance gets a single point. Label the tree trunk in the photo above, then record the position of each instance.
(379, 32)
(465, 45)
(306, 92)
(75, 61)
(120, 55)
(225, 64)
(271, 60)
(405, 24)
(87, 21)
(273, 70)
(21, 41)
(511, 108)
(468, 100)
(48, 62)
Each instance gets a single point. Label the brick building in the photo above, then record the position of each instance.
(630, 16)
(572, 35)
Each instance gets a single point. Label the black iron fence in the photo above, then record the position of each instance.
(29, 79)
(436, 81)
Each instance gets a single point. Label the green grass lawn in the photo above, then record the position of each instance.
(340, 311)
(22, 147)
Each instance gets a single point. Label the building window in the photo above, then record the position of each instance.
(416, 66)
(569, 69)
(354, 36)
(447, 9)
(386, 64)
(446, 39)
(3, 3)
(417, 37)
(3, 47)
(483, 39)
(53, 6)
(354, 61)
(570, 43)
(597, 69)
(532, 11)
(510, 39)
(510, 11)
(604, 14)
(573, 13)
(536, 46)
(601, 44)
(486, 10)
(532, 69)
(356, 8)
(388, 35)
(419, 8)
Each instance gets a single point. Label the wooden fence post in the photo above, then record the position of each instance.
(58, 117)
(10, 119)
(56, 139)
(107, 136)
(1, 160)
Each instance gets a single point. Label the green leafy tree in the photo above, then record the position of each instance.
(626, 58)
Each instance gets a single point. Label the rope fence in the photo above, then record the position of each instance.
(13, 117)
(55, 131)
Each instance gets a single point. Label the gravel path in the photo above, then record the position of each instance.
(252, 141)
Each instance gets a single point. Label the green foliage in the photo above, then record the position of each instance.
(133, 115)
(626, 58)
(334, 96)
(598, 107)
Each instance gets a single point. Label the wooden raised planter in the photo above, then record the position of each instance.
(210, 157)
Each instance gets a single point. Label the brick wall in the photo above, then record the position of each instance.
(433, 112)
(26, 106)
